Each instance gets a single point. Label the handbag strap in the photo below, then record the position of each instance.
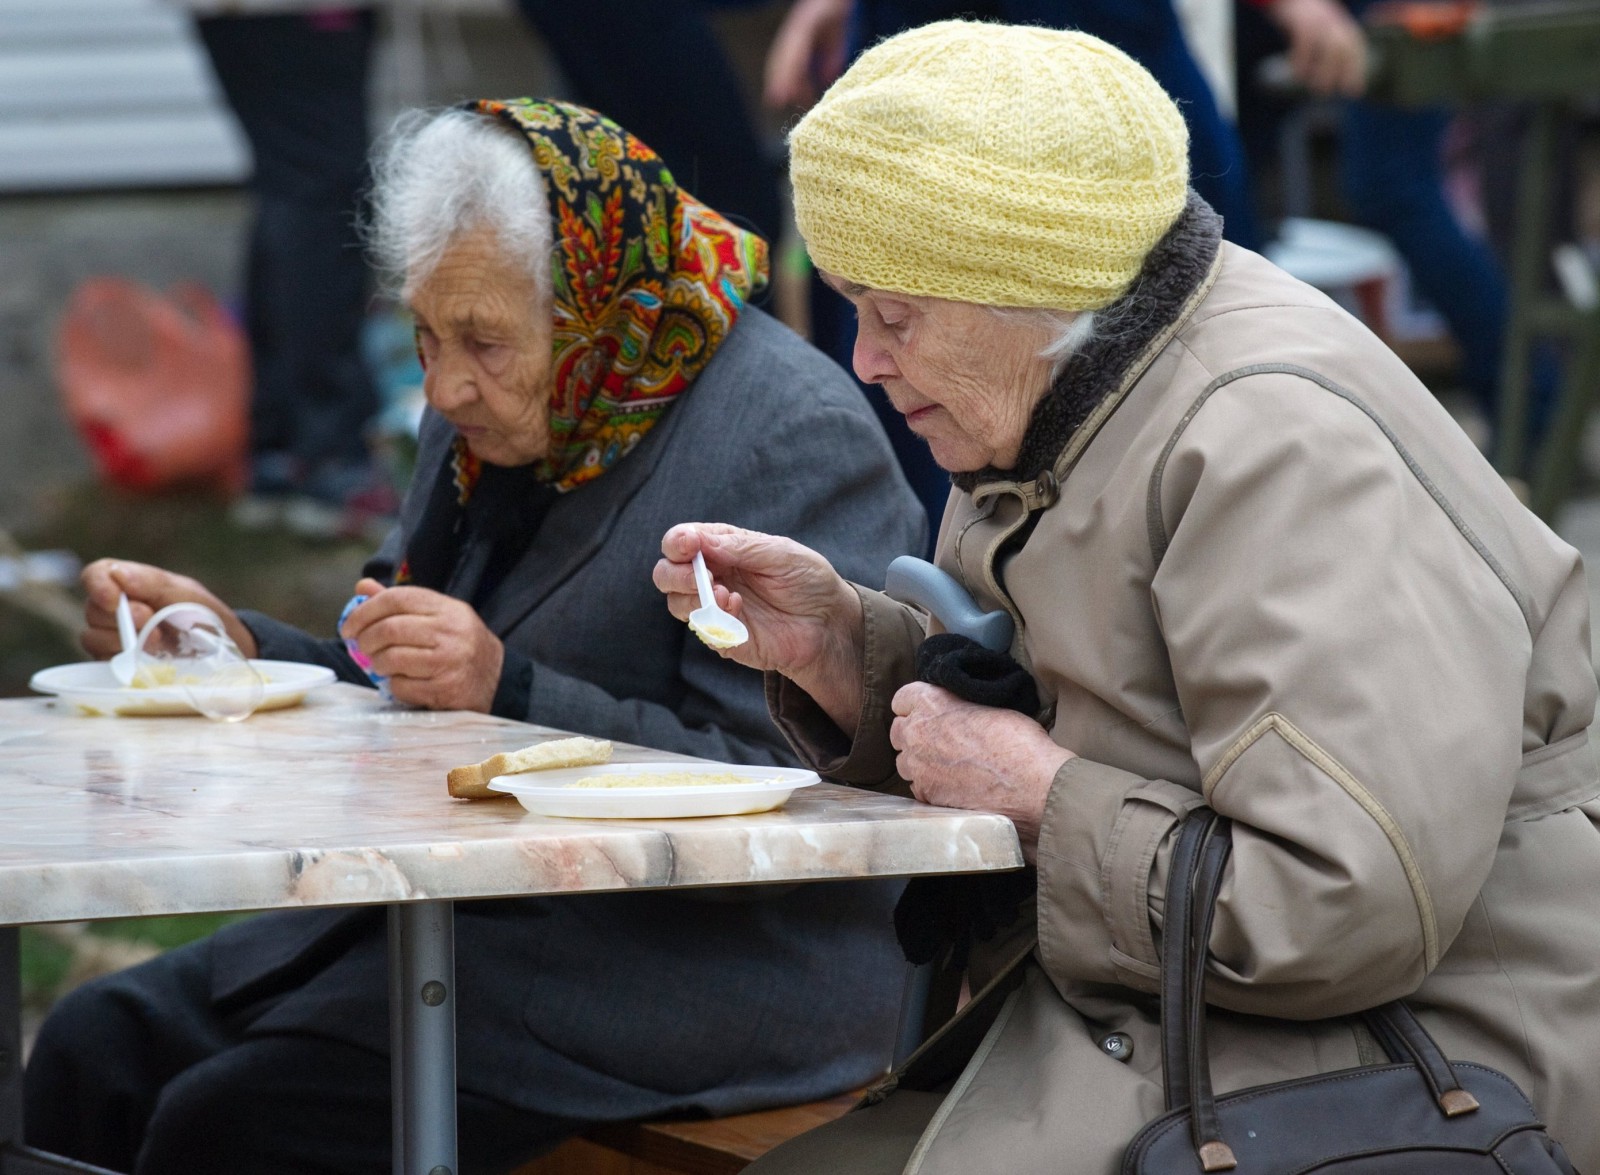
(1402, 1036)
(1204, 1128)
(1176, 945)
(1194, 880)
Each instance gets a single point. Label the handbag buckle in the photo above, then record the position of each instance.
(1455, 1102)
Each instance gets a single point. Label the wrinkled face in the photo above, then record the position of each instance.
(484, 333)
(965, 379)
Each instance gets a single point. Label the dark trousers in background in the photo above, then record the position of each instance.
(298, 84)
(1392, 174)
(657, 68)
(141, 1072)
(1146, 30)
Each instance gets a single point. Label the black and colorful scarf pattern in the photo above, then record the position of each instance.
(648, 282)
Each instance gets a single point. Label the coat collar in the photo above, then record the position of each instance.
(1174, 278)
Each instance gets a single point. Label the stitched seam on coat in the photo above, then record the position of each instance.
(1143, 933)
(1557, 749)
(1336, 771)
(1156, 525)
(1546, 803)
(1091, 427)
(983, 511)
(1516, 998)
(1109, 890)
(968, 1075)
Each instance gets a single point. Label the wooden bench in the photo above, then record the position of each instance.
(713, 1146)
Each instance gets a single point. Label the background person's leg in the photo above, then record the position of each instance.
(298, 86)
(657, 68)
(1393, 178)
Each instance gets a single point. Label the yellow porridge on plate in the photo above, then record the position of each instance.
(666, 779)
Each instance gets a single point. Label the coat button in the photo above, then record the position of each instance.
(1049, 490)
(1117, 1045)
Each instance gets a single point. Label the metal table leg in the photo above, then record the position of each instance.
(422, 1035)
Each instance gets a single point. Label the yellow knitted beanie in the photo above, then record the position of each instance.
(998, 164)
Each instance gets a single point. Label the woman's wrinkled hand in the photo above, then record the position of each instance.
(435, 650)
(807, 54)
(960, 755)
(149, 589)
(805, 621)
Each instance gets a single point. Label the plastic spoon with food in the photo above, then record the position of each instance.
(717, 628)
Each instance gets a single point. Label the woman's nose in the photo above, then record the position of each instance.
(449, 382)
(870, 359)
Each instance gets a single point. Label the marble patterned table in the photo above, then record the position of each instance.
(342, 802)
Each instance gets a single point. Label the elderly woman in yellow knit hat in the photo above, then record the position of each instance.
(1250, 563)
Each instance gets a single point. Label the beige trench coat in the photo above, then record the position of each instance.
(1298, 592)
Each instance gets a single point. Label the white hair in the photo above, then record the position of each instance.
(1069, 331)
(439, 174)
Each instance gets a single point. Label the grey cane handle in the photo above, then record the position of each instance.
(916, 581)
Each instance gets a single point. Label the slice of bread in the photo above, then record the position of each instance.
(472, 782)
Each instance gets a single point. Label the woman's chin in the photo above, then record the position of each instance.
(496, 450)
(957, 458)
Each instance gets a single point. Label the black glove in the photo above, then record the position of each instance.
(936, 915)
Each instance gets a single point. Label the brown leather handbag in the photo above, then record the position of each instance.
(1418, 1115)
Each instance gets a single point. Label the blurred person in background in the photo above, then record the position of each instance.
(297, 82)
(1392, 177)
(594, 374)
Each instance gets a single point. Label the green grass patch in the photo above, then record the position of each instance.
(167, 931)
(48, 958)
(45, 963)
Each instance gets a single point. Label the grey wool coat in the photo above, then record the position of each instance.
(618, 1006)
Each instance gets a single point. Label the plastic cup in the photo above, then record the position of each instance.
(185, 646)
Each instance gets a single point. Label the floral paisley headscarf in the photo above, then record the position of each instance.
(647, 283)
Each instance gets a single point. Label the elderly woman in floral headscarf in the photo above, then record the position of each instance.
(594, 373)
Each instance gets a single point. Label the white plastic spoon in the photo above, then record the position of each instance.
(719, 629)
(126, 663)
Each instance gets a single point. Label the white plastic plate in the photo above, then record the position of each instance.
(91, 688)
(550, 793)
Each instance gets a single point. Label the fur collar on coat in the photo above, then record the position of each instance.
(1171, 272)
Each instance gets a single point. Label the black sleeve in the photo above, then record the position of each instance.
(277, 641)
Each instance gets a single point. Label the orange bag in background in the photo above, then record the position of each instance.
(157, 385)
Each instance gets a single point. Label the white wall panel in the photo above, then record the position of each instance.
(109, 93)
